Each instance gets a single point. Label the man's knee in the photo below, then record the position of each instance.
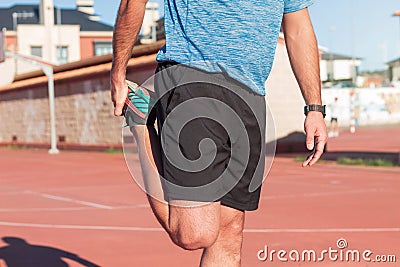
(196, 227)
(192, 239)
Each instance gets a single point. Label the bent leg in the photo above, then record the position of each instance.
(190, 225)
(226, 251)
(194, 227)
(150, 160)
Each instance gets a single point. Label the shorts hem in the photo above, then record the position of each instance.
(197, 198)
(251, 206)
(239, 206)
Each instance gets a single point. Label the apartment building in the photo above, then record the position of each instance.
(56, 35)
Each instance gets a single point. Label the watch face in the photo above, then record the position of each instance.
(319, 108)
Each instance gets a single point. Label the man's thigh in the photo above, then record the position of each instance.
(212, 219)
(188, 217)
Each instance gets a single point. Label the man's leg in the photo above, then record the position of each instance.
(150, 162)
(337, 128)
(226, 251)
(189, 227)
(194, 227)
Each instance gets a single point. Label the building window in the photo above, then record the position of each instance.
(62, 54)
(102, 48)
(36, 50)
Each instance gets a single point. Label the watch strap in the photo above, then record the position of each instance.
(314, 107)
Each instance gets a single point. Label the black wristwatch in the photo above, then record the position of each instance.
(313, 107)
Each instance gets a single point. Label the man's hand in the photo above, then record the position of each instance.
(316, 136)
(119, 92)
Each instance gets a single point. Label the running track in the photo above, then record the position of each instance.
(87, 204)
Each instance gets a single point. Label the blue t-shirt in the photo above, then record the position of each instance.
(234, 36)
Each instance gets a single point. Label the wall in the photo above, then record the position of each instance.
(7, 71)
(342, 69)
(11, 40)
(284, 96)
(396, 72)
(372, 106)
(87, 45)
(84, 113)
(324, 70)
(151, 15)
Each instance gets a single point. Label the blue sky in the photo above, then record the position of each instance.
(363, 26)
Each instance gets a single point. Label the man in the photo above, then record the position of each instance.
(228, 45)
(334, 125)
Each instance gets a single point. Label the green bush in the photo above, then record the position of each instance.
(365, 162)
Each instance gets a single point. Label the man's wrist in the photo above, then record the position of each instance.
(117, 75)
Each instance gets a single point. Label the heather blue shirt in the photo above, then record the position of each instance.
(235, 36)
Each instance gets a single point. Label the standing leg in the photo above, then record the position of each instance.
(336, 128)
(331, 129)
(226, 251)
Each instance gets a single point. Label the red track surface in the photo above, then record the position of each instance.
(385, 139)
(87, 204)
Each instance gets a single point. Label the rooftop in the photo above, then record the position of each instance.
(333, 56)
(67, 17)
(394, 61)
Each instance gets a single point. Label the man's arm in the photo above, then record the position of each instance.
(127, 27)
(304, 58)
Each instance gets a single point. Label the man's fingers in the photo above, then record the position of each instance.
(310, 145)
(317, 155)
(310, 139)
(309, 158)
(118, 109)
(318, 152)
(119, 92)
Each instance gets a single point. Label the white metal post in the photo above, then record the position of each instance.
(354, 71)
(48, 71)
(397, 14)
(154, 32)
(53, 135)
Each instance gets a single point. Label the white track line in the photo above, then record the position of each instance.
(138, 206)
(158, 229)
(82, 227)
(45, 209)
(67, 199)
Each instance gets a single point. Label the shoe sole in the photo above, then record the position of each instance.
(140, 116)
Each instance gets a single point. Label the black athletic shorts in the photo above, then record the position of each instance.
(212, 133)
(333, 119)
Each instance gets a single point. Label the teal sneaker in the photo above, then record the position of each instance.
(138, 104)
